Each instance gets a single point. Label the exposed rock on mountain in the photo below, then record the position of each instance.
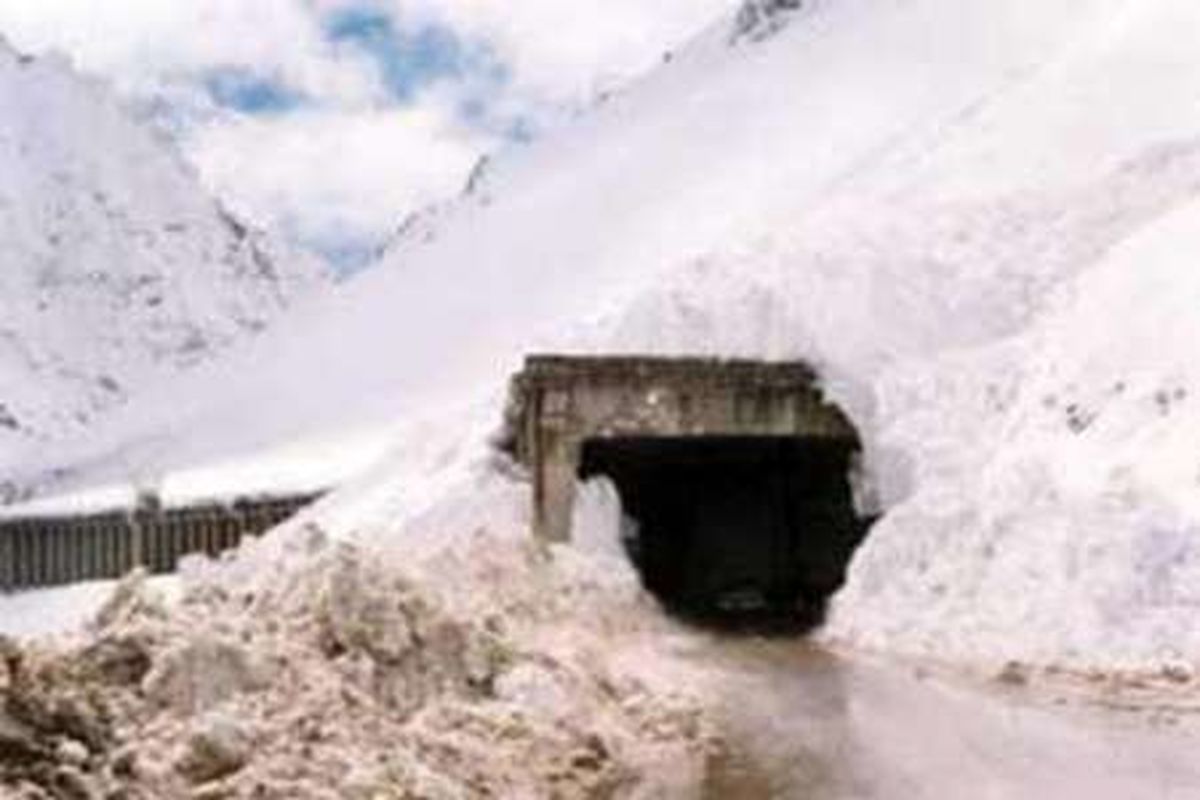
(758, 19)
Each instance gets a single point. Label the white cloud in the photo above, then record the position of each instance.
(336, 177)
(139, 44)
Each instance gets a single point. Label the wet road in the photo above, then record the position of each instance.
(806, 724)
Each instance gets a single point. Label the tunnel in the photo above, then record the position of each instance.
(736, 532)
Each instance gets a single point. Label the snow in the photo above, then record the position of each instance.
(1066, 510)
(92, 500)
(119, 270)
(470, 664)
(405, 340)
(975, 237)
(63, 610)
(51, 611)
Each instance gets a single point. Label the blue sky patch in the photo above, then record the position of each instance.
(408, 59)
(346, 258)
(243, 90)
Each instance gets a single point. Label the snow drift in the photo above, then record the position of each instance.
(974, 218)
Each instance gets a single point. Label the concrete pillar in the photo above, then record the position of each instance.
(557, 492)
(555, 461)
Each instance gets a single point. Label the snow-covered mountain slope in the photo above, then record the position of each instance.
(973, 218)
(115, 264)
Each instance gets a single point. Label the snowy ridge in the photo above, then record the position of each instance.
(117, 267)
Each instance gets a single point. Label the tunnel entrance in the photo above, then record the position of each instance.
(736, 531)
(736, 472)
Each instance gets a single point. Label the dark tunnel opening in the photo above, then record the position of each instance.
(741, 533)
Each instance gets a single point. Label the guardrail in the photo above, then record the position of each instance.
(45, 551)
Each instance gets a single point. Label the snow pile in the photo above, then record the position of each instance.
(118, 269)
(483, 667)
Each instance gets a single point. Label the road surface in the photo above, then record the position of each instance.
(809, 725)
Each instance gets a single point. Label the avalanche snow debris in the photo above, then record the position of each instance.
(201, 673)
(352, 672)
(217, 746)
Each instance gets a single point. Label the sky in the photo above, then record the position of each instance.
(331, 120)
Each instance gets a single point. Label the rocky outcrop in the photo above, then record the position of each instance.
(760, 19)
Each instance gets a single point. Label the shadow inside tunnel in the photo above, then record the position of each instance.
(743, 534)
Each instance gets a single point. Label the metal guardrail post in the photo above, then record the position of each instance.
(137, 543)
(7, 533)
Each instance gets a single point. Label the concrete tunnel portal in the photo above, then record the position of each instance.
(734, 477)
